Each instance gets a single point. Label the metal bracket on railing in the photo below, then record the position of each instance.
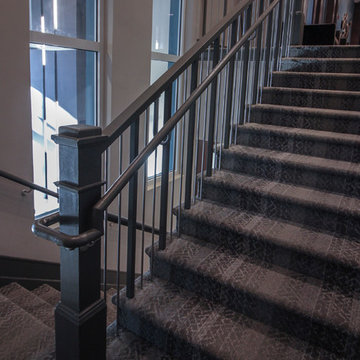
(166, 140)
(42, 229)
(253, 36)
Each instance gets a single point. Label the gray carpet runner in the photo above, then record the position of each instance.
(27, 327)
(268, 262)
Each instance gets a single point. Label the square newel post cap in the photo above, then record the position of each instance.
(80, 149)
(76, 135)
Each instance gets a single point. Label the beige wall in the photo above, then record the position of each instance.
(16, 210)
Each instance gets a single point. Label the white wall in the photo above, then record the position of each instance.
(16, 211)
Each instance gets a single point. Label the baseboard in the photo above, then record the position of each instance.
(33, 273)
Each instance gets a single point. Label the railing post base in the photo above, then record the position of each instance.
(80, 317)
(77, 334)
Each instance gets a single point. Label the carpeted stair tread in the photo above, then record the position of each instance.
(195, 328)
(326, 144)
(287, 192)
(325, 51)
(345, 168)
(314, 80)
(307, 64)
(279, 233)
(307, 118)
(23, 336)
(30, 302)
(125, 345)
(327, 136)
(309, 207)
(317, 98)
(48, 294)
(236, 278)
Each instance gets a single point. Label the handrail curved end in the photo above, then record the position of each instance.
(41, 228)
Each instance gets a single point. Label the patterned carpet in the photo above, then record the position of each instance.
(268, 263)
(27, 328)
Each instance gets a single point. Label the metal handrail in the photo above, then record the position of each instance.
(126, 118)
(28, 184)
(122, 180)
(129, 115)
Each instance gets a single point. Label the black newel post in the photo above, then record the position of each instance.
(80, 317)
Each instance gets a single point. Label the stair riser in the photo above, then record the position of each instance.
(159, 336)
(325, 52)
(312, 65)
(314, 217)
(298, 145)
(311, 99)
(253, 306)
(285, 173)
(305, 121)
(315, 82)
(264, 249)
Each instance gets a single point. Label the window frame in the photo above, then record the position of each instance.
(96, 46)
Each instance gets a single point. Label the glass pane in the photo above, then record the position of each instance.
(63, 92)
(72, 18)
(166, 26)
(157, 69)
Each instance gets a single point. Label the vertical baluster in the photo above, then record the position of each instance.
(278, 38)
(230, 87)
(155, 130)
(224, 102)
(198, 124)
(191, 133)
(245, 67)
(268, 46)
(182, 151)
(290, 27)
(204, 125)
(165, 173)
(174, 162)
(132, 208)
(212, 111)
(118, 269)
(220, 95)
(106, 223)
(258, 55)
(237, 83)
(146, 129)
(285, 31)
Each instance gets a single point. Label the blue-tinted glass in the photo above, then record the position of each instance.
(166, 26)
(72, 18)
(63, 92)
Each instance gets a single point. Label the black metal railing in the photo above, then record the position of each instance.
(164, 144)
(27, 184)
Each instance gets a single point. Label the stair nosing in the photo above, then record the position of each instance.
(218, 311)
(311, 91)
(257, 292)
(317, 74)
(324, 59)
(272, 239)
(291, 162)
(319, 135)
(285, 197)
(309, 110)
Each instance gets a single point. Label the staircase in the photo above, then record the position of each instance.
(27, 322)
(268, 262)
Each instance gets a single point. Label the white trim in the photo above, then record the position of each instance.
(63, 41)
(164, 57)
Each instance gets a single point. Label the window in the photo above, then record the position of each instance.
(63, 68)
(166, 34)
